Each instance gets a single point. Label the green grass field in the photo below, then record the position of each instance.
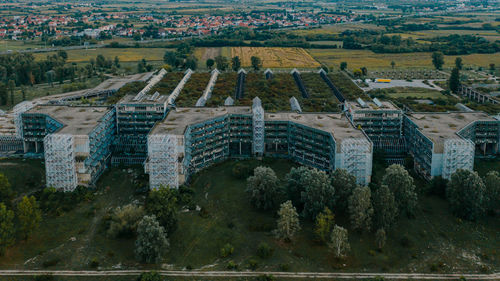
(124, 54)
(435, 239)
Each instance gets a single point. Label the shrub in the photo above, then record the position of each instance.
(231, 265)
(253, 264)
(44, 278)
(284, 267)
(227, 250)
(406, 241)
(264, 251)
(50, 262)
(94, 263)
(124, 221)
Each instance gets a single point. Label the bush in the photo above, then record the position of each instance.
(149, 276)
(231, 265)
(124, 221)
(94, 263)
(284, 267)
(253, 264)
(264, 251)
(51, 262)
(227, 250)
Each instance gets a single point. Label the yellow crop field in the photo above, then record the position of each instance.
(371, 60)
(275, 57)
(124, 54)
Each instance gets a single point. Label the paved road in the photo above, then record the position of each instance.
(323, 275)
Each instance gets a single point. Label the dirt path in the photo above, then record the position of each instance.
(233, 274)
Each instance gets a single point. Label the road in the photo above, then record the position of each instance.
(233, 274)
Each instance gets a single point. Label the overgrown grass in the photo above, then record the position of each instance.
(193, 89)
(321, 97)
(275, 93)
(224, 87)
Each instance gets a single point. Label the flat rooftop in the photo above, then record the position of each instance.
(146, 99)
(178, 119)
(441, 126)
(77, 120)
(386, 105)
(335, 123)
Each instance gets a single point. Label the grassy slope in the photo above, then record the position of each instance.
(437, 238)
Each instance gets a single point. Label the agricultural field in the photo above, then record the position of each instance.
(433, 241)
(366, 58)
(193, 89)
(224, 87)
(168, 83)
(274, 93)
(275, 57)
(321, 97)
(203, 54)
(12, 45)
(123, 54)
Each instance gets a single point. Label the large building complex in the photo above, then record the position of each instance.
(190, 139)
(79, 142)
(441, 143)
(75, 142)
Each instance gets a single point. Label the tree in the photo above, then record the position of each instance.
(492, 192)
(343, 65)
(324, 225)
(343, 183)
(3, 94)
(360, 208)
(124, 220)
(438, 60)
(364, 71)
(454, 81)
(210, 63)
(458, 63)
(393, 64)
(318, 193)
(339, 243)
(12, 86)
(191, 63)
(116, 62)
(23, 92)
(465, 192)
(150, 276)
(492, 66)
(256, 63)
(264, 188)
(162, 203)
(170, 58)
(221, 62)
(7, 230)
(296, 182)
(357, 73)
(288, 222)
(384, 207)
(380, 238)
(29, 215)
(151, 241)
(6, 193)
(399, 181)
(236, 63)
(50, 77)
